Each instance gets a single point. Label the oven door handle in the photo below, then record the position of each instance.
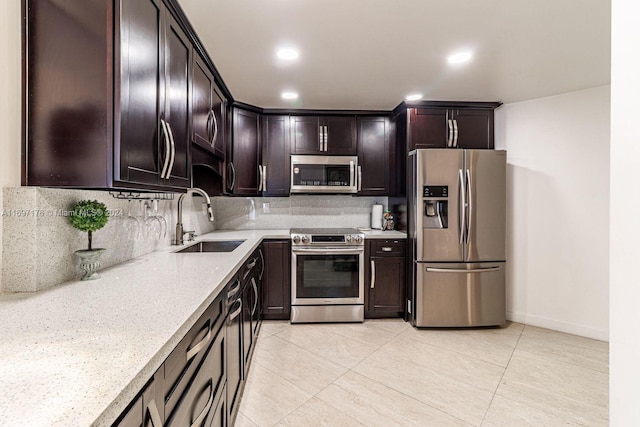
(327, 251)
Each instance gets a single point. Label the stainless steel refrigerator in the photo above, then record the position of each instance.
(456, 230)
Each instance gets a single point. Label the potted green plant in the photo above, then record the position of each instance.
(89, 216)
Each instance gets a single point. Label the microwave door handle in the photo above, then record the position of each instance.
(359, 178)
(352, 173)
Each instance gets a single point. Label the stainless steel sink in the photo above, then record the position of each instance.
(212, 246)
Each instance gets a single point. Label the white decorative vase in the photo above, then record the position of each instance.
(90, 262)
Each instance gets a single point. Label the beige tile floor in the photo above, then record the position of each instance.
(386, 373)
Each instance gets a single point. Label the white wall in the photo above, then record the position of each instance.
(625, 214)
(10, 99)
(558, 216)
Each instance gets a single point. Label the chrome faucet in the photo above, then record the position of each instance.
(179, 228)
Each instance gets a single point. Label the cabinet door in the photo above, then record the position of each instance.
(146, 410)
(386, 287)
(137, 130)
(340, 135)
(427, 128)
(202, 104)
(374, 157)
(198, 404)
(247, 329)
(235, 358)
(276, 161)
(276, 281)
(475, 128)
(177, 59)
(246, 146)
(305, 135)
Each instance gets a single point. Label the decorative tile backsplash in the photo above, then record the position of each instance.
(38, 242)
(241, 213)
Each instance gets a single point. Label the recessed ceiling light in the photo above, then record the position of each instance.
(289, 95)
(287, 53)
(414, 97)
(459, 58)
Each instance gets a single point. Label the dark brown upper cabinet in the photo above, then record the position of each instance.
(375, 157)
(108, 96)
(276, 162)
(324, 135)
(442, 127)
(208, 119)
(244, 174)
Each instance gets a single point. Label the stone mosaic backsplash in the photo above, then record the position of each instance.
(242, 213)
(38, 243)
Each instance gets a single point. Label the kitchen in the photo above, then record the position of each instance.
(540, 281)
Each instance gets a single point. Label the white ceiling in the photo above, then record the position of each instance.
(370, 54)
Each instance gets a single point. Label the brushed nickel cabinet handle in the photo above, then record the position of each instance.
(373, 274)
(455, 133)
(205, 411)
(193, 351)
(450, 134)
(236, 312)
(215, 129)
(255, 291)
(167, 148)
(387, 249)
(173, 152)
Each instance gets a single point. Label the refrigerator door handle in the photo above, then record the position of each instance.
(462, 199)
(462, 270)
(469, 206)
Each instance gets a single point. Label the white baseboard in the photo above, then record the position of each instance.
(560, 326)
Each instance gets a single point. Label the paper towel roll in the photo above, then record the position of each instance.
(376, 217)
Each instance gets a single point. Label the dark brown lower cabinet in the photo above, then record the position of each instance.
(385, 278)
(201, 381)
(235, 357)
(276, 281)
(198, 405)
(147, 409)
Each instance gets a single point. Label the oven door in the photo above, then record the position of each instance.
(322, 276)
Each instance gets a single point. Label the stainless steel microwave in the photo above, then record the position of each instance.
(324, 174)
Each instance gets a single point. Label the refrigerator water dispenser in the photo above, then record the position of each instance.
(435, 214)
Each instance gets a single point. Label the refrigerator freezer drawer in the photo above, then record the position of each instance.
(460, 294)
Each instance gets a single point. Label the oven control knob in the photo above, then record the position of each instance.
(349, 238)
(305, 239)
(296, 239)
(357, 239)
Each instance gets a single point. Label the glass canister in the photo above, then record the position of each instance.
(389, 220)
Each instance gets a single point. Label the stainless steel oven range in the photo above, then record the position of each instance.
(327, 275)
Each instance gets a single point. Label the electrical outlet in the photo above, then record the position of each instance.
(266, 207)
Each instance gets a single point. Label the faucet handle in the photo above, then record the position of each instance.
(190, 235)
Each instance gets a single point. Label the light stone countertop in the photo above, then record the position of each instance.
(76, 354)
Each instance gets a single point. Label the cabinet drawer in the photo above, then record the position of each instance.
(185, 358)
(388, 247)
(201, 399)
